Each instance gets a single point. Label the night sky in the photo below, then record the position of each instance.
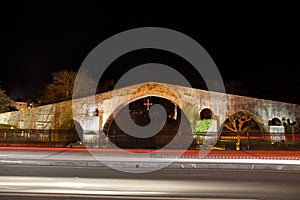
(259, 46)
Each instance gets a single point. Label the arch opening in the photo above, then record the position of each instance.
(242, 122)
(242, 130)
(139, 113)
(275, 122)
(206, 113)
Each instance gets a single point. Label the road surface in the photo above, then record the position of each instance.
(62, 182)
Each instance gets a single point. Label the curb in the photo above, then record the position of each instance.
(181, 164)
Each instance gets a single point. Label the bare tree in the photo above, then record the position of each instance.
(5, 101)
(61, 87)
(240, 123)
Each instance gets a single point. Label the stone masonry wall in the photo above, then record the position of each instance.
(191, 101)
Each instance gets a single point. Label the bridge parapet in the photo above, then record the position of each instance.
(192, 101)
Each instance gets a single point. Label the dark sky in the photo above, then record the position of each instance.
(259, 46)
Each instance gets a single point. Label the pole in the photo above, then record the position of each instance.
(248, 147)
(49, 138)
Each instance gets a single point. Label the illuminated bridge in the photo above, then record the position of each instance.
(97, 113)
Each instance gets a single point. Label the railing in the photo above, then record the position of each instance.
(36, 137)
(157, 141)
(260, 141)
(63, 138)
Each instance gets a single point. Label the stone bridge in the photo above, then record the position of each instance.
(192, 102)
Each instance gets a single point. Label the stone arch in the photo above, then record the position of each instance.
(166, 134)
(275, 122)
(238, 126)
(108, 122)
(206, 113)
(110, 118)
(155, 90)
(243, 121)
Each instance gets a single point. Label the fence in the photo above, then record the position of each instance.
(36, 137)
(223, 141)
(62, 138)
(157, 141)
(260, 141)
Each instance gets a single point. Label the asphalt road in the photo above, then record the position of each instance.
(52, 182)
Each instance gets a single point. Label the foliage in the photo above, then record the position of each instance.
(4, 101)
(203, 125)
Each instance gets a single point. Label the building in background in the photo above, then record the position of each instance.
(21, 105)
